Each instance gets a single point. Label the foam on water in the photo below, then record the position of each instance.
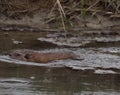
(14, 80)
(98, 93)
(77, 41)
(104, 72)
(95, 59)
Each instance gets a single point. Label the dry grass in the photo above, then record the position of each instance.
(64, 10)
(16, 8)
(65, 6)
(69, 10)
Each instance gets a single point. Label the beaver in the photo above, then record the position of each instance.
(40, 57)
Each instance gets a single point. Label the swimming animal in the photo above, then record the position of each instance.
(40, 57)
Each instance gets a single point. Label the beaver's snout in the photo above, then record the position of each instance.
(18, 55)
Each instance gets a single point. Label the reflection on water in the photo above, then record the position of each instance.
(31, 80)
(14, 86)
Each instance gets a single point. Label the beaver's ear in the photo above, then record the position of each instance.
(27, 56)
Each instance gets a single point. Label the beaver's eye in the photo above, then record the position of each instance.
(27, 56)
(17, 54)
(10, 54)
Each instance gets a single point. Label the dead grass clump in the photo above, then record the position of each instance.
(67, 7)
(18, 8)
(65, 11)
(74, 10)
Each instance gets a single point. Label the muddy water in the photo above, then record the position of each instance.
(97, 74)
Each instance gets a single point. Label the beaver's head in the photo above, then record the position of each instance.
(20, 55)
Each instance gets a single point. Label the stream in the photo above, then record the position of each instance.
(97, 74)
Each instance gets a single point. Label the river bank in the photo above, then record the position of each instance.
(73, 14)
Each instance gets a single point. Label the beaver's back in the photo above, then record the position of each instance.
(47, 57)
(39, 57)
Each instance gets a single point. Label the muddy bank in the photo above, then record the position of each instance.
(38, 21)
(76, 14)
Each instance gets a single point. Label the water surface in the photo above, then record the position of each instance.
(97, 74)
(33, 80)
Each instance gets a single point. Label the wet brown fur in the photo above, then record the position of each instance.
(33, 56)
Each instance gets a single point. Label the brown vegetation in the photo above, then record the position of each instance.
(69, 12)
(69, 6)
